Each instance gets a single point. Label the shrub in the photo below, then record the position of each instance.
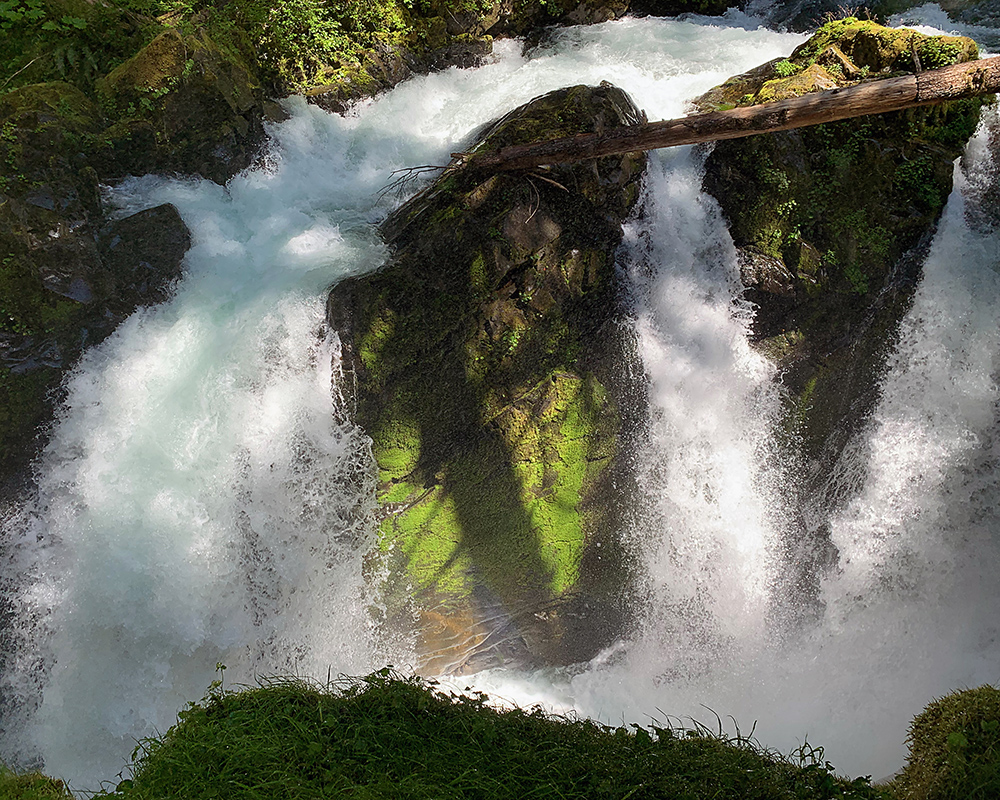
(955, 749)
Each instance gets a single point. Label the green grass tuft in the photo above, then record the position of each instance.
(386, 736)
(30, 786)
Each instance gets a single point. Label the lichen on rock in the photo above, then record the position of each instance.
(488, 360)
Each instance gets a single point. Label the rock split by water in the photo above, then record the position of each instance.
(832, 224)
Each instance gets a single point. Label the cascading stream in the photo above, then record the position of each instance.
(199, 500)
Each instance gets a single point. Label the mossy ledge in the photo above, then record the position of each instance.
(390, 736)
(488, 360)
(832, 223)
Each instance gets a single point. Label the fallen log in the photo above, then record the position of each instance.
(954, 82)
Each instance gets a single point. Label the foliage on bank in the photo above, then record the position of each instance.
(384, 736)
(387, 736)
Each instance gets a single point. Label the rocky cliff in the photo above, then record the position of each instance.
(832, 223)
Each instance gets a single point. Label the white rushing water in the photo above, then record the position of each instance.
(196, 506)
(912, 610)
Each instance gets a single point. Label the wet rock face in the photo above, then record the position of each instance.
(182, 106)
(832, 223)
(487, 361)
(825, 217)
(67, 275)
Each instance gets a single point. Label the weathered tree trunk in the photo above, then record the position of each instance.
(877, 97)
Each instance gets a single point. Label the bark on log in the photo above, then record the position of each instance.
(876, 97)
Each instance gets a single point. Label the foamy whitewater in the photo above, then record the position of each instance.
(198, 502)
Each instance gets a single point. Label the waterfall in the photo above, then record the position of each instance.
(198, 502)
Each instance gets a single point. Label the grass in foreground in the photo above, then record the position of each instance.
(30, 786)
(386, 736)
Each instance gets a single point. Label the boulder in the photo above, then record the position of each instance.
(181, 104)
(487, 362)
(67, 276)
(832, 223)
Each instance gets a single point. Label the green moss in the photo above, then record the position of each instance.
(954, 749)
(378, 334)
(31, 786)
(561, 483)
(813, 78)
(861, 192)
(842, 52)
(397, 448)
(429, 533)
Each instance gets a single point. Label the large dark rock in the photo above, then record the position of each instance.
(69, 304)
(182, 105)
(67, 276)
(487, 361)
(832, 223)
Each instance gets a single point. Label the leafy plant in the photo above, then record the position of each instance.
(785, 68)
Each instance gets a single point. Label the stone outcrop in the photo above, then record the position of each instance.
(181, 105)
(487, 358)
(832, 223)
(68, 275)
(441, 37)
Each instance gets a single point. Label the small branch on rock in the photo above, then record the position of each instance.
(407, 176)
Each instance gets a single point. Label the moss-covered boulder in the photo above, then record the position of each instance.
(181, 104)
(487, 358)
(954, 749)
(67, 275)
(831, 222)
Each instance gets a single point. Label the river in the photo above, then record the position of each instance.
(198, 503)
